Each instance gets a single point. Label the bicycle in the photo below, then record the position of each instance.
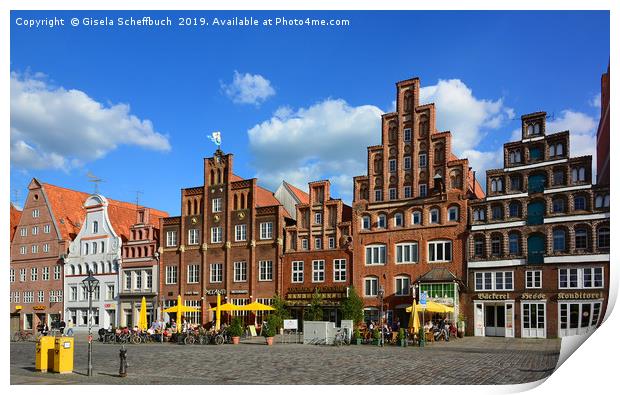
(341, 337)
(190, 338)
(23, 336)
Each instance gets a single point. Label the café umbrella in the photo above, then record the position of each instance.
(256, 306)
(414, 320)
(179, 309)
(224, 307)
(142, 324)
(432, 307)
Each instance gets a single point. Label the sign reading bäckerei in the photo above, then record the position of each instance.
(493, 296)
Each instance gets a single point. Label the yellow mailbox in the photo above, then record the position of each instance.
(45, 354)
(63, 355)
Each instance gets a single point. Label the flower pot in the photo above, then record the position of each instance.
(269, 341)
(460, 328)
(235, 339)
(376, 342)
(403, 342)
(358, 341)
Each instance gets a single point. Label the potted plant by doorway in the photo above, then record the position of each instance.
(402, 340)
(357, 336)
(460, 325)
(235, 329)
(270, 330)
(376, 335)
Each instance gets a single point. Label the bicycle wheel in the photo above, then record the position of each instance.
(219, 340)
(16, 337)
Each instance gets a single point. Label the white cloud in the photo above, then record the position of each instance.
(595, 101)
(582, 129)
(248, 88)
(55, 128)
(325, 140)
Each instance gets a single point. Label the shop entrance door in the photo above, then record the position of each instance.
(533, 320)
(14, 323)
(494, 320)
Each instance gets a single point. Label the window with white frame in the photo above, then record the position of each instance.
(440, 251)
(127, 282)
(318, 218)
(416, 218)
(12, 275)
(22, 275)
(318, 243)
(381, 221)
(392, 164)
(215, 273)
(216, 205)
(47, 228)
(422, 160)
(371, 286)
(392, 192)
(434, 216)
(22, 250)
(94, 247)
(266, 230)
(407, 134)
(109, 294)
(378, 195)
(407, 191)
(73, 293)
(533, 279)
(57, 272)
(59, 296)
(216, 234)
(318, 271)
(171, 274)
(265, 271)
(35, 213)
(46, 273)
(398, 220)
(375, 254)
(493, 281)
(332, 243)
(401, 285)
(297, 272)
(28, 297)
(34, 274)
(241, 232)
(366, 222)
(35, 230)
(52, 296)
(304, 244)
(35, 249)
(340, 270)
(407, 162)
(46, 247)
(407, 253)
(453, 214)
(95, 227)
(171, 238)
(423, 190)
(578, 278)
(193, 237)
(23, 232)
(16, 297)
(193, 274)
(241, 272)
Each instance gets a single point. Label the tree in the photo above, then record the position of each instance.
(315, 311)
(352, 307)
(281, 311)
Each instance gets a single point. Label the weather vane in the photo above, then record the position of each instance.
(94, 179)
(216, 137)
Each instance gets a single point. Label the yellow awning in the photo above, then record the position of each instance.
(255, 306)
(432, 307)
(228, 307)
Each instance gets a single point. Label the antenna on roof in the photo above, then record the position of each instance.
(16, 194)
(551, 117)
(138, 193)
(94, 179)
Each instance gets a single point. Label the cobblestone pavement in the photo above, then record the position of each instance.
(463, 361)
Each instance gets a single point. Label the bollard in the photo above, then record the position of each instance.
(122, 371)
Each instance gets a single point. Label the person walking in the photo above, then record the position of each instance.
(70, 328)
(62, 327)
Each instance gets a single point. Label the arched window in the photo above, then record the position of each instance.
(602, 237)
(109, 267)
(398, 219)
(381, 221)
(479, 246)
(530, 129)
(559, 240)
(559, 149)
(582, 174)
(552, 150)
(598, 202)
(514, 209)
(581, 238)
(537, 128)
(559, 205)
(453, 214)
(371, 286)
(514, 243)
(497, 212)
(95, 227)
(434, 216)
(580, 202)
(500, 185)
(479, 214)
(242, 204)
(95, 267)
(493, 185)
(416, 218)
(72, 269)
(79, 269)
(85, 248)
(496, 244)
(518, 156)
(558, 177)
(606, 201)
(366, 222)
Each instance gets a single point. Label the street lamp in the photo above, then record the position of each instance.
(381, 293)
(90, 283)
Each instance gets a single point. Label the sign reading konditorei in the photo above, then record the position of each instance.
(580, 295)
(494, 296)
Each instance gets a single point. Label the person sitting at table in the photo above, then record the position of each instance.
(428, 326)
(387, 333)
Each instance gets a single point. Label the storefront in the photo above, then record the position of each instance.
(494, 315)
(299, 299)
(130, 306)
(443, 293)
(578, 312)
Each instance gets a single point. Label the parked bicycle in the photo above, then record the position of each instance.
(342, 337)
(23, 336)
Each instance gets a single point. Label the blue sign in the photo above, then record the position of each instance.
(423, 297)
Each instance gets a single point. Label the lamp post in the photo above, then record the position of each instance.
(90, 283)
(381, 293)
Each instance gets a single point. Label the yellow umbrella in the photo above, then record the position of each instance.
(218, 313)
(179, 309)
(432, 307)
(414, 320)
(142, 324)
(227, 307)
(255, 306)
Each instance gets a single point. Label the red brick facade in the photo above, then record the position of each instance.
(602, 134)
(413, 200)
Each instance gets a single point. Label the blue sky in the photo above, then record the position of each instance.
(134, 105)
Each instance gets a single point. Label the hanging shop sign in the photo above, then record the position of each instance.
(580, 295)
(494, 296)
(38, 307)
(239, 291)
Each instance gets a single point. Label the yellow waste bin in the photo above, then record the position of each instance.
(63, 355)
(44, 354)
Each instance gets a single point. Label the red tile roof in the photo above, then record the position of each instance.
(264, 197)
(303, 197)
(14, 219)
(67, 208)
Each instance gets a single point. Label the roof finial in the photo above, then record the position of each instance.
(216, 138)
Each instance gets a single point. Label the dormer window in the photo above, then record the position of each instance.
(95, 227)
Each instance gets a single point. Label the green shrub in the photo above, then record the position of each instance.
(376, 334)
(357, 334)
(401, 334)
(272, 324)
(236, 327)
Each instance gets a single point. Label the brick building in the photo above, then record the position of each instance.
(318, 252)
(51, 220)
(228, 240)
(538, 251)
(14, 217)
(410, 211)
(602, 134)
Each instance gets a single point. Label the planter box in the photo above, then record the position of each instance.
(375, 342)
(358, 342)
(403, 342)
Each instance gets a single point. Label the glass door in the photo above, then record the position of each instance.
(534, 320)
